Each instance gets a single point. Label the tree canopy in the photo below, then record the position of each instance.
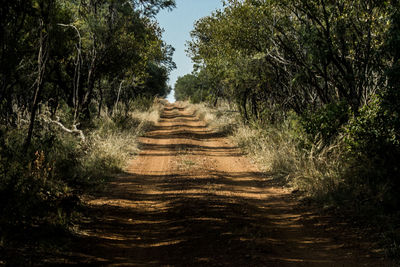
(294, 54)
(335, 64)
(81, 54)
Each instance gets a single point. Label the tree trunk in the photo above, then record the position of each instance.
(254, 106)
(41, 61)
(116, 101)
(244, 106)
(101, 98)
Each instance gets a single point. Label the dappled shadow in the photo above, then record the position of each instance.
(198, 135)
(178, 117)
(189, 149)
(183, 221)
(186, 126)
(172, 108)
(196, 216)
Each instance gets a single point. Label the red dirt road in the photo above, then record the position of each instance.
(191, 199)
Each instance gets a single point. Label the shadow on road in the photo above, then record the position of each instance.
(198, 217)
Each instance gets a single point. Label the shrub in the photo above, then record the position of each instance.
(40, 189)
(373, 139)
(326, 122)
(30, 187)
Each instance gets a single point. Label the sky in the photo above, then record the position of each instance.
(177, 25)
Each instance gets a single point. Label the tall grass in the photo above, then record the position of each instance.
(323, 173)
(223, 119)
(316, 171)
(114, 139)
(40, 191)
(281, 150)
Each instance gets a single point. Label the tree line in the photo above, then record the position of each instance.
(83, 54)
(333, 64)
(75, 76)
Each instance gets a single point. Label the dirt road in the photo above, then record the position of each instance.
(190, 198)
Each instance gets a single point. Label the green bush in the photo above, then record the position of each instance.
(141, 103)
(326, 122)
(40, 188)
(373, 139)
(31, 190)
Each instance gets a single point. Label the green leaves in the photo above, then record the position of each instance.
(90, 43)
(296, 54)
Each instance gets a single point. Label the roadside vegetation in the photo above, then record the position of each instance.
(311, 91)
(41, 195)
(78, 84)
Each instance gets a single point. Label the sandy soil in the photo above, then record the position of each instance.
(190, 198)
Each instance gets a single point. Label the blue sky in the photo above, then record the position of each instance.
(177, 25)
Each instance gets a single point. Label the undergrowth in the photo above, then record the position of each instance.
(40, 190)
(323, 173)
(223, 119)
(281, 150)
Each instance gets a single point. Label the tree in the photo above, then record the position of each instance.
(294, 55)
(76, 53)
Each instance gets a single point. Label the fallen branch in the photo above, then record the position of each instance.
(74, 129)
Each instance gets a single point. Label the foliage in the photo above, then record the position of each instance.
(297, 55)
(191, 86)
(69, 70)
(40, 190)
(325, 123)
(373, 143)
(333, 66)
(96, 52)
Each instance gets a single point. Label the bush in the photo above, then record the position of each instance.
(31, 188)
(40, 189)
(373, 139)
(325, 123)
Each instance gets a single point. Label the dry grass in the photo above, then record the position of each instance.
(316, 171)
(278, 151)
(222, 119)
(114, 142)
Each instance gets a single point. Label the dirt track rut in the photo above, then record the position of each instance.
(190, 198)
